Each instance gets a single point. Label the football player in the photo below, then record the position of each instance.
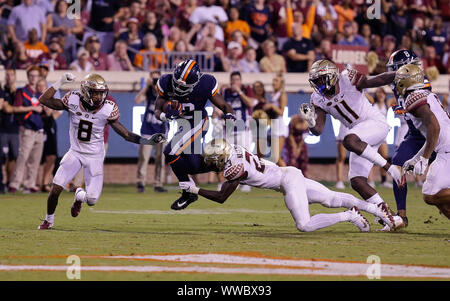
(239, 166)
(185, 92)
(90, 110)
(425, 111)
(413, 141)
(341, 95)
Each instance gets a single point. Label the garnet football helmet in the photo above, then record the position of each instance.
(93, 83)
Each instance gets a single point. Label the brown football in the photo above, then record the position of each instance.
(173, 104)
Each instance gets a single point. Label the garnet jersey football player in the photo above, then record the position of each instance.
(188, 91)
(429, 117)
(90, 110)
(341, 95)
(239, 166)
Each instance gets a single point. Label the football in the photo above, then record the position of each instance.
(172, 103)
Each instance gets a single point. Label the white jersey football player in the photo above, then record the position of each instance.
(341, 95)
(90, 110)
(239, 166)
(425, 110)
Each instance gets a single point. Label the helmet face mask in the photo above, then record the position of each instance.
(185, 77)
(217, 153)
(323, 77)
(94, 90)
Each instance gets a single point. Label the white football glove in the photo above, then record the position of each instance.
(154, 139)
(65, 78)
(189, 187)
(416, 165)
(308, 113)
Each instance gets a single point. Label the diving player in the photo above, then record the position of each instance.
(90, 110)
(185, 92)
(340, 95)
(426, 113)
(239, 166)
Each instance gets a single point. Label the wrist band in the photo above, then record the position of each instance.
(162, 116)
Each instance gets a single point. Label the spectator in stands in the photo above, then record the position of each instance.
(419, 8)
(271, 62)
(53, 58)
(327, 18)
(33, 46)
(31, 137)
(324, 51)
(50, 151)
(208, 30)
(366, 33)
(350, 37)
(345, 13)
(59, 24)
(295, 149)
(120, 25)
(249, 64)
(218, 54)
(231, 61)
(103, 15)
(384, 53)
(299, 52)
(97, 58)
(20, 59)
(136, 11)
(25, 17)
(154, 60)
(212, 13)
(9, 129)
(132, 37)
(183, 14)
(82, 64)
(418, 34)
(151, 25)
(237, 36)
(170, 39)
(260, 100)
(119, 60)
(278, 20)
(235, 24)
(398, 18)
(406, 42)
(258, 19)
(431, 59)
(68, 52)
(150, 126)
(437, 37)
(297, 16)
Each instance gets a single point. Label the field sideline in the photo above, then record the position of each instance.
(130, 236)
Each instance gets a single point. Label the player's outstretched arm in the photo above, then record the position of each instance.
(220, 196)
(379, 80)
(47, 98)
(315, 117)
(132, 137)
(219, 102)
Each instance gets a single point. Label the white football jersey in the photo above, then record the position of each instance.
(421, 97)
(87, 128)
(350, 106)
(252, 170)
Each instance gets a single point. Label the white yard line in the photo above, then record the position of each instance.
(188, 211)
(263, 266)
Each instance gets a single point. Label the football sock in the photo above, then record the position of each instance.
(375, 199)
(50, 218)
(179, 167)
(373, 156)
(400, 196)
(348, 201)
(81, 196)
(323, 220)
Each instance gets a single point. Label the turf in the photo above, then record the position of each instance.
(124, 222)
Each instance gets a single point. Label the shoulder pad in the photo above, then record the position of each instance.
(209, 83)
(164, 84)
(353, 76)
(234, 172)
(115, 113)
(416, 99)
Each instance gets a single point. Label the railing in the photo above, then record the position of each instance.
(166, 61)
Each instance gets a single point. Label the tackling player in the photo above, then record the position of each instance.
(186, 92)
(341, 96)
(426, 113)
(239, 166)
(90, 110)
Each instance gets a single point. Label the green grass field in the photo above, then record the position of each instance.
(126, 223)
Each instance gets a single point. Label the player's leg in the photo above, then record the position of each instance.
(69, 166)
(144, 155)
(383, 150)
(93, 175)
(296, 201)
(436, 188)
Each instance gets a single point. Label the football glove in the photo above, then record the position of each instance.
(174, 110)
(189, 187)
(416, 165)
(308, 113)
(154, 139)
(65, 78)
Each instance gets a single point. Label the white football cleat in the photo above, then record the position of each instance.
(359, 220)
(384, 213)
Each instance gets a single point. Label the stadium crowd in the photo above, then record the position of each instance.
(245, 36)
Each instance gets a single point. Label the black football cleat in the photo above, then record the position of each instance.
(184, 201)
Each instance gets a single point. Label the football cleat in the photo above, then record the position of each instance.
(76, 206)
(359, 220)
(184, 201)
(45, 225)
(385, 214)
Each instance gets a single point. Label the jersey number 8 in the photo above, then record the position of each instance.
(85, 130)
